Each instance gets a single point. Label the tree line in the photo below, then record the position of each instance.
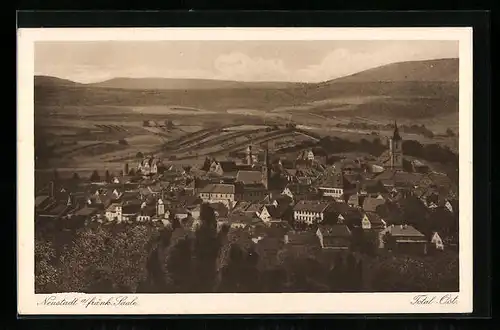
(126, 258)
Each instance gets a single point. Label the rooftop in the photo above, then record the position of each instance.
(405, 231)
(218, 188)
(332, 181)
(249, 177)
(370, 204)
(312, 206)
(86, 211)
(113, 206)
(39, 200)
(335, 230)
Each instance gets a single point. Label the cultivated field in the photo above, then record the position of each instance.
(81, 127)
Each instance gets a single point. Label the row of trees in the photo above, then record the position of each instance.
(415, 129)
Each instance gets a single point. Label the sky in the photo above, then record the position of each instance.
(293, 61)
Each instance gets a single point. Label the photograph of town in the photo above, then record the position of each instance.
(220, 166)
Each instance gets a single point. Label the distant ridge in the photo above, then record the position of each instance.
(191, 84)
(441, 70)
(54, 81)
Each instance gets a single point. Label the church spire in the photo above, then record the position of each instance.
(396, 135)
(265, 167)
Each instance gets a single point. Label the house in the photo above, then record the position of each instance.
(160, 207)
(350, 166)
(339, 210)
(332, 185)
(404, 238)
(300, 191)
(215, 193)
(265, 214)
(55, 210)
(287, 192)
(352, 218)
(254, 209)
(146, 213)
(335, 237)
(372, 221)
(370, 204)
(240, 206)
(226, 168)
(311, 211)
(242, 221)
(251, 192)
(437, 241)
(371, 187)
(353, 200)
(114, 212)
(279, 211)
(249, 177)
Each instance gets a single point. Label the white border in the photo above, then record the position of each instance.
(286, 303)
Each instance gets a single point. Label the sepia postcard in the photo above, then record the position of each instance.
(244, 171)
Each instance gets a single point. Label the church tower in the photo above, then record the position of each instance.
(160, 207)
(396, 149)
(249, 157)
(266, 169)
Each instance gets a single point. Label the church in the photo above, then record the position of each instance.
(392, 159)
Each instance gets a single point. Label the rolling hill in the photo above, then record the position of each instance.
(441, 70)
(419, 89)
(48, 81)
(189, 84)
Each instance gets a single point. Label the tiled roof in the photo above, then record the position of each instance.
(311, 206)
(39, 200)
(335, 230)
(218, 188)
(374, 218)
(112, 207)
(340, 207)
(228, 166)
(277, 211)
(405, 231)
(56, 209)
(255, 207)
(353, 199)
(249, 177)
(370, 204)
(86, 211)
(332, 181)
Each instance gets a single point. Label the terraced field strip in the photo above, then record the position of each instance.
(220, 139)
(189, 137)
(312, 135)
(265, 138)
(80, 148)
